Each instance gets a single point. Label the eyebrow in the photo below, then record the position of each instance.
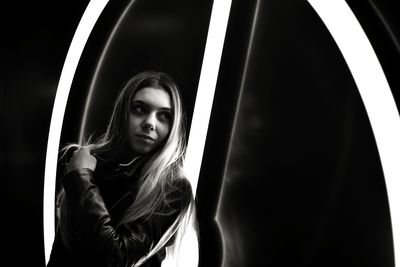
(147, 104)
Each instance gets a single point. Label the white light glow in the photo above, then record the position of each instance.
(375, 93)
(97, 70)
(206, 89)
(201, 116)
(86, 24)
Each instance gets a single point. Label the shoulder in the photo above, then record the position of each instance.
(181, 184)
(179, 192)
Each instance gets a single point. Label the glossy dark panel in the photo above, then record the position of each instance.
(304, 184)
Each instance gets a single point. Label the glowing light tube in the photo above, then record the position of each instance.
(375, 93)
(86, 24)
(206, 89)
(97, 70)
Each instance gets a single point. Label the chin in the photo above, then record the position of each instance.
(142, 149)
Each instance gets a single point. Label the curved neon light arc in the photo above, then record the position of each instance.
(206, 89)
(85, 26)
(386, 25)
(97, 70)
(375, 93)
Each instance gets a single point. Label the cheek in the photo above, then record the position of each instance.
(163, 131)
(134, 120)
(133, 125)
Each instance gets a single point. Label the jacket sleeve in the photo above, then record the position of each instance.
(100, 240)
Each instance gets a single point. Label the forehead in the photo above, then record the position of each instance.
(154, 97)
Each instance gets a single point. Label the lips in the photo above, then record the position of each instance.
(146, 137)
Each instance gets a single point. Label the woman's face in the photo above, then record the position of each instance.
(150, 119)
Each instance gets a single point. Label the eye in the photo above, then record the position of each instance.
(165, 116)
(138, 109)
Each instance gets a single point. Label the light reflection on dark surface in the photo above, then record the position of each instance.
(304, 185)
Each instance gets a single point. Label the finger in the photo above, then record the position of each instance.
(82, 151)
(86, 149)
(90, 147)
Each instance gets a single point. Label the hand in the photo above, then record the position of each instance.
(82, 159)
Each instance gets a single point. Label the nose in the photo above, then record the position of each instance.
(149, 122)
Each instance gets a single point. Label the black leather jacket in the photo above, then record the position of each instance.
(97, 201)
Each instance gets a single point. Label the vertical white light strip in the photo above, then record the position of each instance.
(201, 116)
(375, 93)
(86, 24)
(206, 89)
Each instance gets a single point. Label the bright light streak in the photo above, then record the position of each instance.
(201, 117)
(97, 70)
(206, 89)
(375, 93)
(86, 24)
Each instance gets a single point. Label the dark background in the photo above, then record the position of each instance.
(303, 184)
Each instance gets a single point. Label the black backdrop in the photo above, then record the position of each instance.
(303, 184)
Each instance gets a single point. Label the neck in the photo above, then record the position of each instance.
(128, 155)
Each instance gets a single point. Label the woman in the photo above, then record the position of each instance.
(124, 197)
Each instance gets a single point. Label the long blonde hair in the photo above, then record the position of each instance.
(162, 168)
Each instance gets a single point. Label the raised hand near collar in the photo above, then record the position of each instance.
(82, 159)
